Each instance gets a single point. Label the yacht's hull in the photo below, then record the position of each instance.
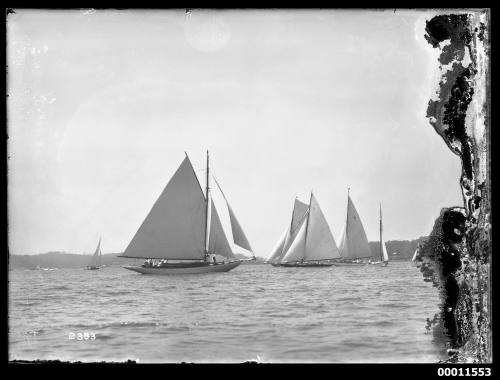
(305, 265)
(349, 264)
(380, 263)
(93, 268)
(188, 269)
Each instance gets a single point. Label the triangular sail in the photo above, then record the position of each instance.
(298, 217)
(320, 244)
(385, 255)
(217, 241)
(96, 257)
(239, 236)
(297, 250)
(175, 226)
(354, 243)
(278, 248)
(415, 255)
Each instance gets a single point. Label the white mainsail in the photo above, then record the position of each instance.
(385, 256)
(218, 243)
(320, 244)
(314, 240)
(353, 243)
(415, 255)
(175, 226)
(96, 260)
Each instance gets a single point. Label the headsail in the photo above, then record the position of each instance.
(97, 257)
(354, 244)
(217, 242)
(278, 248)
(297, 250)
(299, 215)
(320, 244)
(239, 236)
(175, 226)
(383, 253)
(415, 255)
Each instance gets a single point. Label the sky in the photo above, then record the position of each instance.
(103, 104)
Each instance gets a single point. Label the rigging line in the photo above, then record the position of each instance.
(217, 182)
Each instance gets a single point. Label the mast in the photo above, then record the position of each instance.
(381, 250)
(206, 219)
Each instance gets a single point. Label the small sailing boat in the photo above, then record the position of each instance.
(183, 230)
(416, 256)
(96, 261)
(384, 257)
(310, 243)
(354, 248)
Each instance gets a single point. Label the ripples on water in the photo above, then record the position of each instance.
(328, 314)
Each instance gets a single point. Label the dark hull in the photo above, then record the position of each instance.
(186, 268)
(304, 265)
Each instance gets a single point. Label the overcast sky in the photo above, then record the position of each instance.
(103, 104)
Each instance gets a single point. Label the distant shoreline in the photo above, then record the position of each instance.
(404, 249)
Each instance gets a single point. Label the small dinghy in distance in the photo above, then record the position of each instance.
(415, 260)
(184, 226)
(96, 261)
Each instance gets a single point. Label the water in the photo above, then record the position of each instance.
(254, 312)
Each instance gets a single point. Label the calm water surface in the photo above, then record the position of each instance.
(254, 312)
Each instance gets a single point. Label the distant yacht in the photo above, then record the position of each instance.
(308, 242)
(354, 247)
(96, 261)
(415, 257)
(384, 257)
(184, 227)
(299, 214)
